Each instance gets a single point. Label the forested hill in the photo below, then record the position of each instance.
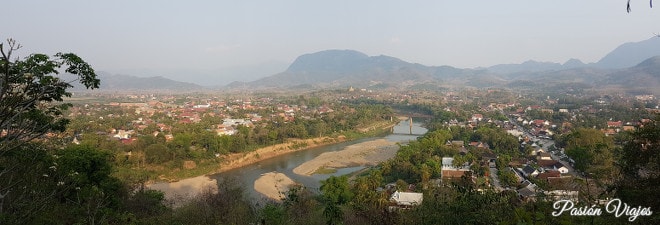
(346, 68)
(343, 68)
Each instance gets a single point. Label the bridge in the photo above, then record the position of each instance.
(419, 115)
(409, 131)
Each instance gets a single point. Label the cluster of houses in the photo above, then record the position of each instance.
(192, 111)
(542, 168)
(614, 127)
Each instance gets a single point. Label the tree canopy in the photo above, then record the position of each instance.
(29, 89)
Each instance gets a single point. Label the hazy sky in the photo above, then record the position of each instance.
(199, 37)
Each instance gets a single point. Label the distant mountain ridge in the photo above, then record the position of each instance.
(624, 56)
(334, 68)
(630, 54)
(110, 82)
(534, 66)
(345, 68)
(645, 75)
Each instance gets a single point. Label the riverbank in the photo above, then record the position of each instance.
(186, 188)
(181, 177)
(273, 185)
(238, 160)
(368, 153)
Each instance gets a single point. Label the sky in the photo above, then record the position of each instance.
(216, 42)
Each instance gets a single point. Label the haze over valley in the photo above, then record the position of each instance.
(630, 67)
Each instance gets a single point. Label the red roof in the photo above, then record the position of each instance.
(551, 173)
(614, 123)
(546, 163)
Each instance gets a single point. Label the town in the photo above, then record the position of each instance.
(534, 146)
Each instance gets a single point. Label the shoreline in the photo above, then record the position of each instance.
(182, 188)
(273, 185)
(363, 154)
(238, 160)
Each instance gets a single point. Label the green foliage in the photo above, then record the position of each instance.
(26, 166)
(507, 177)
(592, 151)
(95, 193)
(226, 206)
(31, 93)
(640, 167)
(29, 89)
(336, 192)
(157, 153)
(298, 207)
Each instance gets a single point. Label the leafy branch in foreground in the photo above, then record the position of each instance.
(28, 89)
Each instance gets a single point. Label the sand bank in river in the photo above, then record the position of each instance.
(273, 184)
(186, 188)
(238, 160)
(363, 154)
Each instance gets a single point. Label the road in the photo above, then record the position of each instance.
(496, 181)
(546, 143)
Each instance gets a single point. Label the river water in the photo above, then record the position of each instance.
(285, 164)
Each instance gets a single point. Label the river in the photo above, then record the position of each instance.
(285, 164)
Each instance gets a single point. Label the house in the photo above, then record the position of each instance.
(609, 132)
(455, 143)
(517, 162)
(463, 151)
(560, 167)
(479, 145)
(628, 128)
(406, 199)
(123, 134)
(529, 171)
(528, 192)
(547, 174)
(614, 123)
(543, 156)
(489, 158)
(539, 123)
(169, 137)
(515, 132)
(556, 195)
(450, 171)
(75, 140)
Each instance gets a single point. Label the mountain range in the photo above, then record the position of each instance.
(631, 66)
(112, 82)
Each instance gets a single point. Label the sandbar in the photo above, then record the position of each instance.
(362, 154)
(273, 185)
(186, 188)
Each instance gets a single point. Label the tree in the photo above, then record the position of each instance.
(640, 167)
(592, 152)
(336, 192)
(95, 193)
(28, 90)
(157, 153)
(30, 106)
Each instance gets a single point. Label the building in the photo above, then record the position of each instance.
(406, 199)
(450, 171)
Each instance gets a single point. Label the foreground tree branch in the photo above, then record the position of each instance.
(31, 92)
